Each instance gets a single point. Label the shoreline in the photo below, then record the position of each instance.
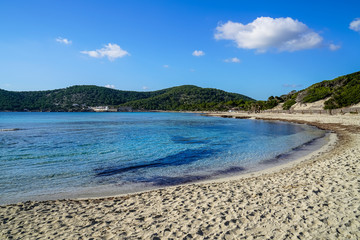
(313, 197)
(288, 164)
(237, 176)
(283, 160)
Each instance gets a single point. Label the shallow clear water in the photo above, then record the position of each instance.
(55, 155)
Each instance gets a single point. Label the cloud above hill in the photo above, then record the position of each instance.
(110, 86)
(334, 47)
(198, 53)
(232, 60)
(63, 40)
(355, 25)
(265, 33)
(292, 85)
(111, 51)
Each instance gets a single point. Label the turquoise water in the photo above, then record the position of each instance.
(57, 155)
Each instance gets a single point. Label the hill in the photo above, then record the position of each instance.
(340, 92)
(71, 98)
(189, 97)
(79, 98)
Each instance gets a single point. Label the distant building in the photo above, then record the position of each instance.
(103, 109)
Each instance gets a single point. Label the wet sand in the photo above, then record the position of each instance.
(316, 197)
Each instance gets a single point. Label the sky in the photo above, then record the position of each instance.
(256, 48)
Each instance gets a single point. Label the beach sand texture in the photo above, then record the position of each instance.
(318, 198)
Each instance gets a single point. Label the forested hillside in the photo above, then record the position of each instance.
(340, 92)
(79, 98)
(71, 98)
(190, 97)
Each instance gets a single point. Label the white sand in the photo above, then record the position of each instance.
(318, 105)
(318, 198)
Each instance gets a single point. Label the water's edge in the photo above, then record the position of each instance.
(280, 161)
(291, 160)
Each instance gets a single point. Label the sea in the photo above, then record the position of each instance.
(45, 156)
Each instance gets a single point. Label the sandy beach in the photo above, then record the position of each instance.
(317, 197)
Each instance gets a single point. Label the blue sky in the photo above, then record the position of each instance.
(256, 48)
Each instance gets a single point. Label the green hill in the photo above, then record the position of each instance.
(71, 98)
(189, 97)
(79, 98)
(341, 92)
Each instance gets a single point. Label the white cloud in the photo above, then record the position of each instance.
(292, 85)
(110, 86)
(111, 51)
(192, 70)
(232, 60)
(166, 66)
(355, 25)
(334, 47)
(264, 33)
(145, 88)
(63, 40)
(198, 53)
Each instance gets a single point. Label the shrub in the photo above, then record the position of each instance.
(287, 105)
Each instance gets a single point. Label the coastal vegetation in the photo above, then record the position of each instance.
(80, 98)
(190, 97)
(288, 104)
(345, 94)
(339, 92)
(73, 98)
